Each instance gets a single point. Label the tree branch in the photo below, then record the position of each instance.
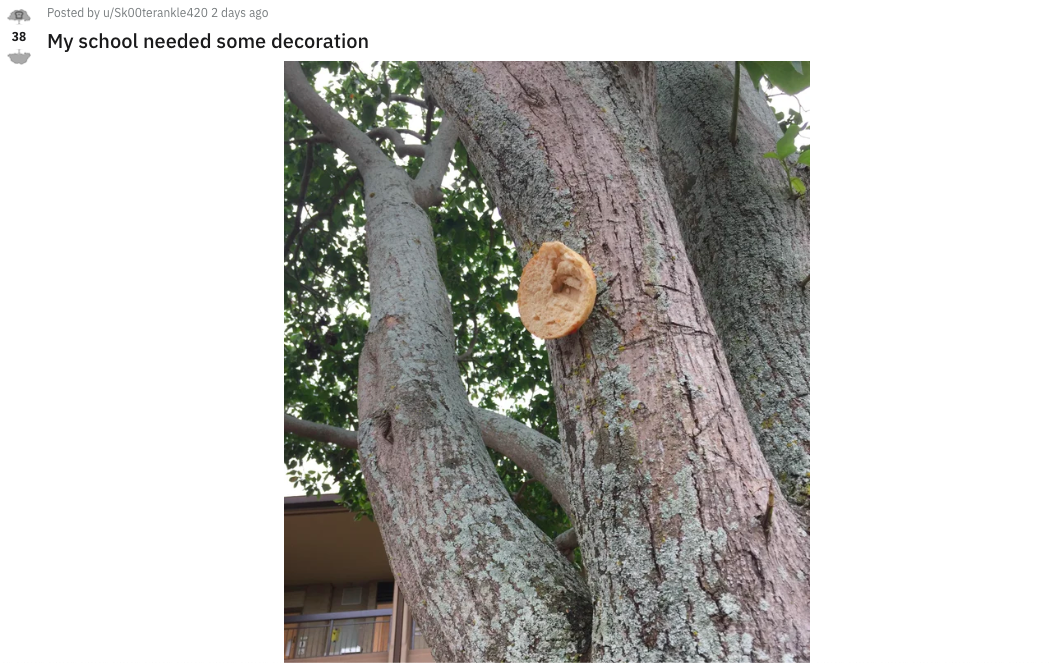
(307, 166)
(321, 432)
(365, 154)
(468, 355)
(532, 451)
(536, 453)
(408, 100)
(327, 214)
(428, 183)
(400, 147)
(410, 132)
(518, 493)
(471, 356)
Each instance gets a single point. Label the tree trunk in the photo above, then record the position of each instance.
(491, 583)
(484, 581)
(748, 238)
(668, 485)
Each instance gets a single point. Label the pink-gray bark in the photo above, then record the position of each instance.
(748, 238)
(667, 481)
(484, 581)
(532, 451)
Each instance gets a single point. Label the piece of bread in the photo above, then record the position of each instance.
(557, 291)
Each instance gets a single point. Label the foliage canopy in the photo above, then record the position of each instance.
(326, 286)
(326, 275)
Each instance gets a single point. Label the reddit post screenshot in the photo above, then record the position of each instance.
(537, 327)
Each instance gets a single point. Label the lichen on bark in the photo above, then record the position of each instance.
(665, 475)
(748, 237)
(484, 581)
(456, 542)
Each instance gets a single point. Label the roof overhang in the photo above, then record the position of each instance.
(324, 543)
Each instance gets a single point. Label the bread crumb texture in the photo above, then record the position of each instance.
(556, 292)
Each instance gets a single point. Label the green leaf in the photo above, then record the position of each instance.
(368, 112)
(798, 66)
(771, 155)
(787, 144)
(804, 157)
(755, 71)
(798, 185)
(327, 275)
(785, 76)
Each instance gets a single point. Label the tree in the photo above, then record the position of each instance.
(749, 243)
(687, 548)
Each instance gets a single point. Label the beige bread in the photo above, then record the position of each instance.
(557, 291)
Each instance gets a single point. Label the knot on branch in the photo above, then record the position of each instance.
(378, 426)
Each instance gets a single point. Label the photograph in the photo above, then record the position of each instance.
(546, 361)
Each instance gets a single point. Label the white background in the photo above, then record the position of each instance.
(142, 319)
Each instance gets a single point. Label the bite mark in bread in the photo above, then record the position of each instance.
(557, 291)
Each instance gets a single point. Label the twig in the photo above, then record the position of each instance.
(302, 196)
(408, 100)
(518, 494)
(464, 358)
(794, 96)
(354, 177)
(469, 354)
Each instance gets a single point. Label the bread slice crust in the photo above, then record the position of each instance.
(556, 292)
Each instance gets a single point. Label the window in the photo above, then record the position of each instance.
(384, 592)
(418, 639)
(351, 596)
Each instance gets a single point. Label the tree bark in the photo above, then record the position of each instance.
(748, 238)
(668, 485)
(484, 581)
(532, 451)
